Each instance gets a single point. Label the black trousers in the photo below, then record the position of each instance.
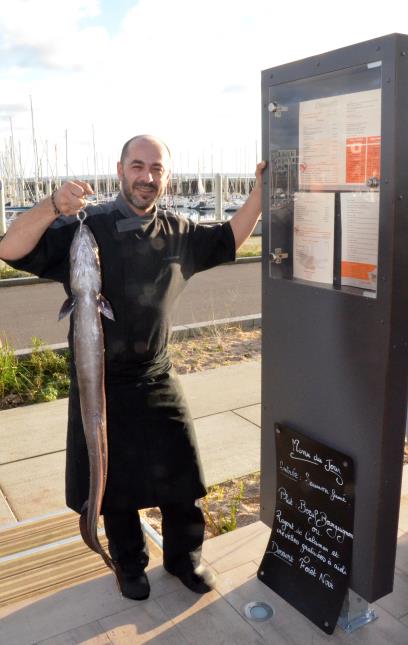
(183, 535)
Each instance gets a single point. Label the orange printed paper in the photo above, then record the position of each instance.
(362, 159)
(373, 157)
(357, 270)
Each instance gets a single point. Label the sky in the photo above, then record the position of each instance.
(186, 71)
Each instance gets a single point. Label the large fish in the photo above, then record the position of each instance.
(87, 304)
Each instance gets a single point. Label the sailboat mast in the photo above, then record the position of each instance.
(95, 166)
(36, 178)
(66, 154)
(13, 165)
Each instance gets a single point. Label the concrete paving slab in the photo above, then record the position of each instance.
(53, 614)
(6, 516)
(229, 446)
(33, 430)
(240, 585)
(89, 634)
(252, 413)
(404, 483)
(224, 388)
(396, 603)
(403, 515)
(242, 546)
(401, 561)
(34, 487)
(50, 616)
(144, 623)
(209, 620)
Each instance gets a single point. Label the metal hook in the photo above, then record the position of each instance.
(81, 217)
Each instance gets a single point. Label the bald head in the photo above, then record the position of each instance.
(147, 138)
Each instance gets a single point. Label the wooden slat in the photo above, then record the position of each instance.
(56, 567)
(34, 534)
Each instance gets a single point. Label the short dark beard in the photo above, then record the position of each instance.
(143, 206)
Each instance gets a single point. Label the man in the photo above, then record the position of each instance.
(147, 256)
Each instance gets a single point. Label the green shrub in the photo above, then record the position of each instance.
(41, 376)
(7, 272)
(14, 376)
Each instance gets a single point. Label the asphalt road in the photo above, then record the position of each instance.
(223, 292)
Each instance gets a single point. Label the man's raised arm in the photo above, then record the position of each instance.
(29, 227)
(244, 220)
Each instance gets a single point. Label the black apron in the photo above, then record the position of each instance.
(152, 452)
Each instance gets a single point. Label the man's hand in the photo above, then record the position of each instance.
(71, 197)
(260, 167)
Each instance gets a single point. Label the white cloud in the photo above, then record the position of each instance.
(185, 70)
(47, 34)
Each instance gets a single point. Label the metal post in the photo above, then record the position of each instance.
(2, 215)
(225, 187)
(96, 189)
(218, 197)
(2, 209)
(355, 613)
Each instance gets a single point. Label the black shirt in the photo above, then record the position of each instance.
(145, 264)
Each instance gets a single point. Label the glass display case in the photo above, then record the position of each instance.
(324, 174)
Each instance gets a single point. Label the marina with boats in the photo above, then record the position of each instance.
(201, 198)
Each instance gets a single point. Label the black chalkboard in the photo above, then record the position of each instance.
(308, 557)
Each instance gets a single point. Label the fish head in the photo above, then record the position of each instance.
(85, 273)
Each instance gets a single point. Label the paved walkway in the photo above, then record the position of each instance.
(226, 406)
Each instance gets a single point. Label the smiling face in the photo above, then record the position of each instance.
(144, 173)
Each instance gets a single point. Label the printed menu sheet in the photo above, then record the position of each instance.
(340, 141)
(359, 235)
(313, 237)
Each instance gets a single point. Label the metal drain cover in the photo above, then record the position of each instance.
(258, 611)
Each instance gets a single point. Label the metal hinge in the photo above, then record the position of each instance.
(277, 109)
(277, 256)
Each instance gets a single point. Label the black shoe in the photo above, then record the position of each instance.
(132, 584)
(199, 580)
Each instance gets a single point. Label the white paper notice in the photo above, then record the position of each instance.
(340, 141)
(313, 237)
(359, 239)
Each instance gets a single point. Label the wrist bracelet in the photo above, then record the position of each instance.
(54, 205)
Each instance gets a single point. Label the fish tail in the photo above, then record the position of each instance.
(93, 542)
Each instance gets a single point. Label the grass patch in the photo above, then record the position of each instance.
(251, 248)
(7, 272)
(221, 506)
(44, 375)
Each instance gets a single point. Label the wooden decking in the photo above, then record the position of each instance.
(47, 555)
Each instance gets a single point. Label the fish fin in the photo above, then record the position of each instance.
(105, 307)
(67, 307)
